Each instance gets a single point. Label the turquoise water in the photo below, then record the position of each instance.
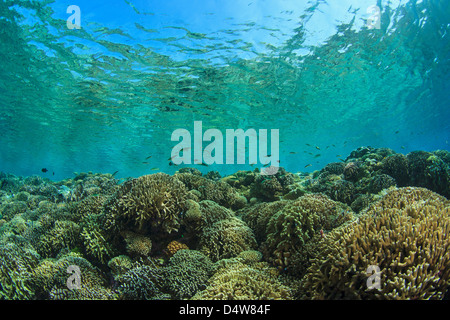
(106, 97)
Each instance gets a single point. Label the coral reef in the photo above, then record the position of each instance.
(247, 235)
(404, 235)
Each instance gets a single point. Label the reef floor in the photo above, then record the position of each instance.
(374, 226)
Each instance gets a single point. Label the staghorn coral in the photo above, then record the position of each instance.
(298, 222)
(96, 244)
(152, 202)
(235, 280)
(226, 238)
(404, 234)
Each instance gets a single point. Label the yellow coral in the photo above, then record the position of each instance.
(404, 235)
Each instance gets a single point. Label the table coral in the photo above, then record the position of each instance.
(404, 234)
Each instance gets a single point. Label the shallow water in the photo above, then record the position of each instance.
(109, 95)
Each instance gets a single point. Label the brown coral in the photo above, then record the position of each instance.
(174, 246)
(404, 235)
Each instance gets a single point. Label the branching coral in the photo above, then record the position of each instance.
(404, 235)
(152, 202)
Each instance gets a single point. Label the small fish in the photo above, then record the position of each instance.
(338, 155)
(308, 144)
(317, 148)
(397, 132)
(115, 172)
(154, 169)
(327, 147)
(403, 147)
(53, 173)
(333, 145)
(172, 164)
(144, 162)
(317, 155)
(292, 152)
(266, 165)
(44, 170)
(204, 164)
(148, 157)
(308, 165)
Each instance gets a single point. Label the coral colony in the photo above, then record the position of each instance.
(372, 227)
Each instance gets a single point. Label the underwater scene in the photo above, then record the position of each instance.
(225, 150)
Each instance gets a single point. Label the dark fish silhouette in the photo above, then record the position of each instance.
(44, 170)
(308, 165)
